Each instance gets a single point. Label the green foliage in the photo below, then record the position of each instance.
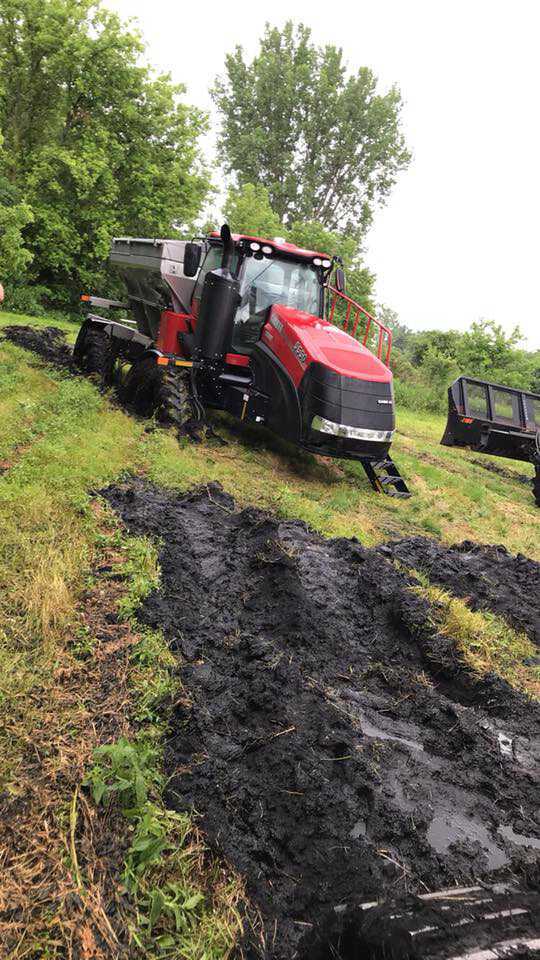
(122, 769)
(327, 145)
(486, 351)
(426, 363)
(94, 144)
(248, 210)
(142, 572)
(400, 332)
(438, 368)
(15, 215)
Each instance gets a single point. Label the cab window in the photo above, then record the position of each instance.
(266, 282)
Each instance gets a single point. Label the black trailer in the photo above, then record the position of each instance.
(494, 419)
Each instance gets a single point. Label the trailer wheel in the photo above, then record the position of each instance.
(536, 487)
(94, 352)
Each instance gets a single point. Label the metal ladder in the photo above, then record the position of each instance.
(385, 477)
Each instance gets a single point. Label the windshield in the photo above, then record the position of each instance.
(265, 282)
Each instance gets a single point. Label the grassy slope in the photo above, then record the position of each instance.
(60, 440)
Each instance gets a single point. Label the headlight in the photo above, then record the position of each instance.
(352, 433)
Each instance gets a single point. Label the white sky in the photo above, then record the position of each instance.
(458, 238)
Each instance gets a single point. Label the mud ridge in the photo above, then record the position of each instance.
(332, 743)
(48, 342)
(490, 577)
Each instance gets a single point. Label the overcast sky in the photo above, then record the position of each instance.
(458, 238)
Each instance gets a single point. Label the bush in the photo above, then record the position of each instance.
(27, 299)
(421, 396)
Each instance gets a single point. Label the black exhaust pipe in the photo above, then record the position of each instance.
(228, 247)
(219, 301)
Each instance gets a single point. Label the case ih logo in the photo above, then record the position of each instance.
(299, 352)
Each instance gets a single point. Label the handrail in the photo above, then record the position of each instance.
(353, 306)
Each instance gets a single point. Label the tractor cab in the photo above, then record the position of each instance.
(268, 273)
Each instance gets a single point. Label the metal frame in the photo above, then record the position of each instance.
(353, 307)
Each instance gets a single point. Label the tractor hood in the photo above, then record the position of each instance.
(299, 339)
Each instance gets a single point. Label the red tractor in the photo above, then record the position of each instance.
(249, 326)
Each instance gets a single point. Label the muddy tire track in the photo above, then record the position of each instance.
(334, 745)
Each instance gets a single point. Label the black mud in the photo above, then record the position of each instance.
(332, 743)
(490, 577)
(48, 342)
(504, 472)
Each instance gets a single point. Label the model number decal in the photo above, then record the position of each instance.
(277, 324)
(299, 352)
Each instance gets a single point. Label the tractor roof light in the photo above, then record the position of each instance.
(317, 261)
(254, 246)
(267, 250)
(326, 264)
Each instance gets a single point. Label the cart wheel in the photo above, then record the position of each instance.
(93, 352)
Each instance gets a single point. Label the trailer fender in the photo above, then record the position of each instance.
(128, 341)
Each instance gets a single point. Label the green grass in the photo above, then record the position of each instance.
(485, 642)
(61, 441)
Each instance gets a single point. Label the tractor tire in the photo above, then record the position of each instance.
(141, 386)
(174, 404)
(108, 370)
(163, 392)
(94, 353)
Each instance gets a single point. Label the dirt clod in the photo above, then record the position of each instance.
(333, 743)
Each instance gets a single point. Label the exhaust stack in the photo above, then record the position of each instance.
(219, 301)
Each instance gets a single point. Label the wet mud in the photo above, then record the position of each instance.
(334, 746)
(490, 577)
(49, 343)
(504, 472)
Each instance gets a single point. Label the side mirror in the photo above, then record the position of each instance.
(340, 280)
(192, 258)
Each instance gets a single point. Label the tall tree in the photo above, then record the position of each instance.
(326, 144)
(94, 143)
(15, 214)
(248, 210)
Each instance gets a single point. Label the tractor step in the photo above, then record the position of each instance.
(385, 477)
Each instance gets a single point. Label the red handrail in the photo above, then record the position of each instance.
(352, 305)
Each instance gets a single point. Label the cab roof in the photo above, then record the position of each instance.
(281, 245)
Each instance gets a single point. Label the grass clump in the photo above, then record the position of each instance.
(485, 642)
(185, 903)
